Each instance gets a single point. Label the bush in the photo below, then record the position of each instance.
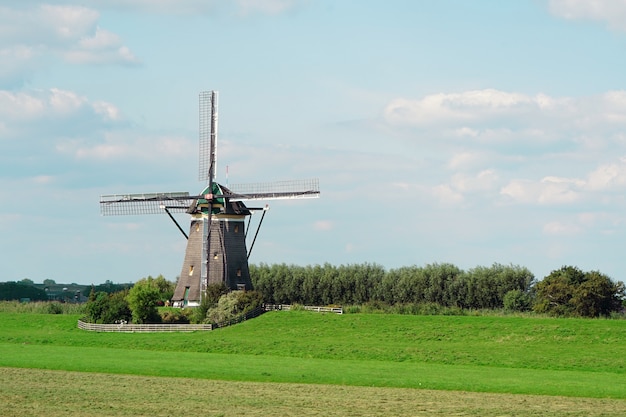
(209, 301)
(233, 305)
(571, 292)
(104, 308)
(176, 316)
(54, 308)
(517, 300)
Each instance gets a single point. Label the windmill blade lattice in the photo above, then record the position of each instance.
(207, 136)
(145, 203)
(307, 188)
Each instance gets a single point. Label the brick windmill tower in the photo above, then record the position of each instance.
(216, 244)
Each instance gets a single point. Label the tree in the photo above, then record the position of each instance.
(572, 292)
(18, 291)
(597, 296)
(108, 287)
(487, 286)
(105, 308)
(143, 298)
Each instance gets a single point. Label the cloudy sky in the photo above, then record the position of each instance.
(441, 131)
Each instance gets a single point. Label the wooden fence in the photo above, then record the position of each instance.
(287, 307)
(142, 328)
(154, 328)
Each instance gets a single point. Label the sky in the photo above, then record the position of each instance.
(444, 131)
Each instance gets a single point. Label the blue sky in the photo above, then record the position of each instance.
(441, 131)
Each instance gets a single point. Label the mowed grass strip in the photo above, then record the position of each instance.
(258, 368)
(34, 392)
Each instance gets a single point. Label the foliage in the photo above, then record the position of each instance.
(142, 300)
(444, 285)
(517, 300)
(210, 300)
(571, 292)
(176, 315)
(41, 307)
(233, 305)
(108, 287)
(104, 308)
(21, 290)
(144, 297)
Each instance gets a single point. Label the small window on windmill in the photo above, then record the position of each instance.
(236, 229)
(238, 272)
(214, 255)
(197, 227)
(190, 270)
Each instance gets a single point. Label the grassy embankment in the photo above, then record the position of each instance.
(506, 355)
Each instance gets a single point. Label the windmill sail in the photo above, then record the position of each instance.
(308, 188)
(144, 203)
(207, 136)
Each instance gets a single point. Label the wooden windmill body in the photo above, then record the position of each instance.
(216, 243)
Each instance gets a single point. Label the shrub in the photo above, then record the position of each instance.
(210, 300)
(233, 305)
(104, 308)
(517, 300)
(176, 316)
(54, 308)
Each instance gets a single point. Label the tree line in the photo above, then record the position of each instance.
(565, 292)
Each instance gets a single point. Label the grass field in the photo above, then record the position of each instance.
(464, 365)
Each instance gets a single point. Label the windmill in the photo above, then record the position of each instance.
(216, 244)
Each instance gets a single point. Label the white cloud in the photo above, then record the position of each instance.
(49, 104)
(446, 194)
(46, 24)
(271, 7)
(456, 108)
(484, 181)
(557, 228)
(30, 34)
(597, 185)
(547, 191)
(462, 111)
(323, 225)
(608, 176)
(189, 7)
(101, 48)
(125, 145)
(598, 222)
(40, 110)
(612, 12)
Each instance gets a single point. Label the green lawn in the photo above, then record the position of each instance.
(577, 358)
